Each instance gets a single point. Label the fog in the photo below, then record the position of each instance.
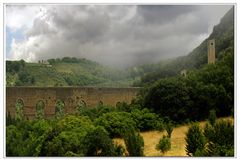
(117, 35)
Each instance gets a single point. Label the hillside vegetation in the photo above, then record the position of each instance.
(223, 33)
(65, 72)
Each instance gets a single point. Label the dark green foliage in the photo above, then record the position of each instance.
(169, 129)
(195, 140)
(95, 112)
(192, 97)
(98, 143)
(123, 106)
(146, 120)
(220, 139)
(164, 144)
(212, 117)
(25, 79)
(15, 66)
(134, 143)
(59, 109)
(169, 97)
(26, 138)
(116, 123)
(67, 136)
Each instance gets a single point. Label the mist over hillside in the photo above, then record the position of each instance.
(71, 71)
(118, 36)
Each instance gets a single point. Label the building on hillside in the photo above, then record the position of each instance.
(183, 72)
(44, 63)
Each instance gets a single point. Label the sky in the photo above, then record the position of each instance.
(115, 35)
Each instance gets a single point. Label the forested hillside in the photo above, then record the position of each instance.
(223, 33)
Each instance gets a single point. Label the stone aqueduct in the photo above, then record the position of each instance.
(92, 96)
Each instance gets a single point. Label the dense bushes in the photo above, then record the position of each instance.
(194, 96)
(68, 136)
(220, 139)
(146, 120)
(98, 143)
(116, 123)
(215, 140)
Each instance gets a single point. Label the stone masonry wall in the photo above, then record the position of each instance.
(70, 95)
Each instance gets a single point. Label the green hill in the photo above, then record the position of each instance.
(65, 72)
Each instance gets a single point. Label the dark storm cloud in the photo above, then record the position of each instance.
(118, 35)
(163, 13)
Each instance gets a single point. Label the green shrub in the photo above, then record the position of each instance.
(67, 136)
(194, 140)
(220, 139)
(98, 143)
(134, 143)
(164, 144)
(116, 123)
(146, 120)
(95, 112)
(123, 106)
(212, 117)
(169, 129)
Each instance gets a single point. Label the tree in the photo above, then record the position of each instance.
(116, 123)
(134, 143)
(169, 129)
(195, 140)
(146, 120)
(98, 143)
(164, 144)
(212, 117)
(220, 139)
(169, 97)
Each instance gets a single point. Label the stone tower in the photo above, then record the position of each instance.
(211, 51)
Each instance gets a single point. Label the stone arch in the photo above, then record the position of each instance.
(19, 107)
(40, 105)
(59, 108)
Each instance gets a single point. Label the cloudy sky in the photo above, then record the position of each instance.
(119, 35)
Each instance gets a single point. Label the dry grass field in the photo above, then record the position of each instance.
(151, 138)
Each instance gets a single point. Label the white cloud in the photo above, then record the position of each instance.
(113, 35)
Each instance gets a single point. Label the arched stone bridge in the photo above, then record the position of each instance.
(71, 96)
